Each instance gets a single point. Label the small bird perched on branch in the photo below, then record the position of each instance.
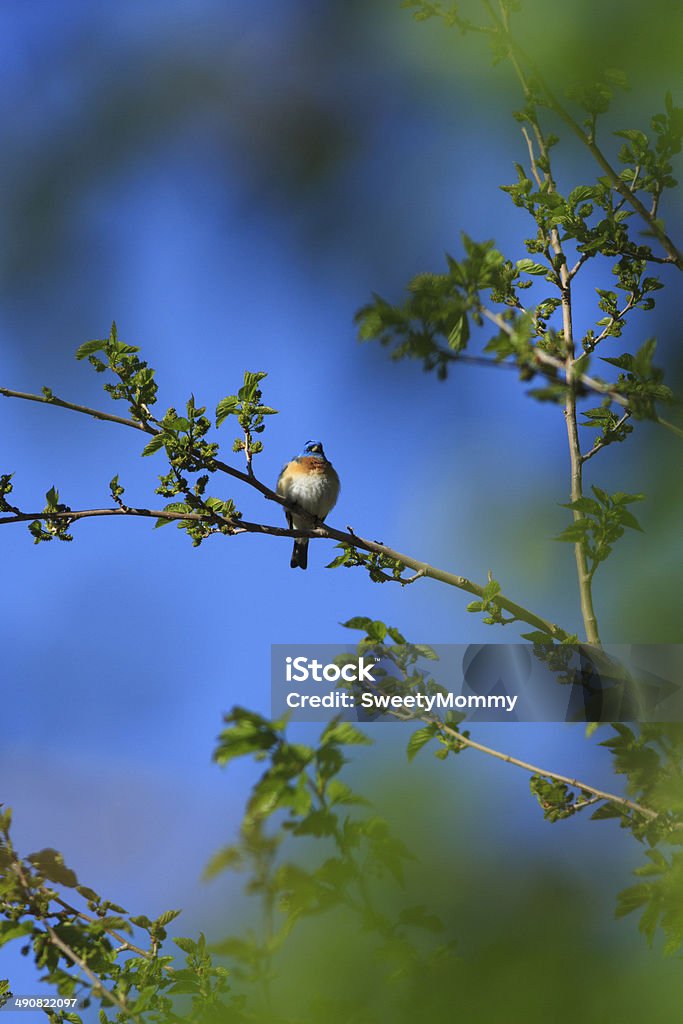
(311, 482)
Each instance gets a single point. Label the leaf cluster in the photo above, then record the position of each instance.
(135, 382)
(602, 522)
(246, 405)
(92, 949)
(303, 797)
(51, 529)
(381, 568)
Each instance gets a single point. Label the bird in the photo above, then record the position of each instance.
(310, 481)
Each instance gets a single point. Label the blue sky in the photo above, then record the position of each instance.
(231, 206)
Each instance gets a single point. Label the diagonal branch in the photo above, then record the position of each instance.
(47, 398)
(241, 526)
(465, 741)
(600, 794)
(237, 526)
(98, 988)
(602, 442)
(580, 379)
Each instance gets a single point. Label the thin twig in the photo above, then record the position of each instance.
(613, 320)
(403, 580)
(99, 990)
(466, 741)
(126, 944)
(602, 442)
(577, 266)
(50, 399)
(97, 414)
(600, 794)
(580, 804)
(583, 380)
(532, 158)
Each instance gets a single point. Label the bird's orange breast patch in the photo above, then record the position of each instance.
(306, 464)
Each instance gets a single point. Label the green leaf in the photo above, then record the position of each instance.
(252, 380)
(425, 651)
(395, 635)
(583, 505)
(173, 506)
(628, 519)
(157, 442)
(605, 811)
(491, 590)
(528, 266)
(581, 194)
(10, 930)
(377, 631)
(188, 946)
(141, 921)
(167, 917)
(50, 864)
(88, 348)
(620, 498)
(575, 533)
(339, 560)
(226, 407)
(339, 793)
(358, 622)
(418, 740)
(343, 733)
(633, 135)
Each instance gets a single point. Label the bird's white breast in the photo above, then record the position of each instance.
(316, 492)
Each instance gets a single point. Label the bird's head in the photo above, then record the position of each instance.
(314, 448)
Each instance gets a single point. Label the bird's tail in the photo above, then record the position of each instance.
(300, 554)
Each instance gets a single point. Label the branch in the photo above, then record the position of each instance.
(600, 794)
(242, 526)
(582, 379)
(98, 988)
(563, 280)
(49, 399)
(125, 944)
(630, 304)
(602, 442)
(579, 263)
(466, 741)
(237, 526)
(517, 53)
(97, 414)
